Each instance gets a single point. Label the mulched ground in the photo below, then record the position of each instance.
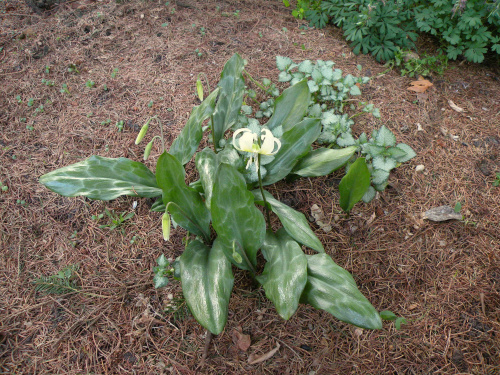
(444, 278)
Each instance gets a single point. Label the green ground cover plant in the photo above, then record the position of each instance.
(468, 28)
(219, 210)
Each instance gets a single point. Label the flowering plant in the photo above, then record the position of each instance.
(219, 210)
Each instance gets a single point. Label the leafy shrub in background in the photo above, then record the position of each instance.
(463, 27)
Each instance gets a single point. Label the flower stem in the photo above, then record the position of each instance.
(256, 82)
(268, 216)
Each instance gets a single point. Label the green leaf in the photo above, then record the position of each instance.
(355, 90)
(160, 281)
(331, 288)
(384, 163)
(306, 66)
(285, 272)
(207, 281)
(388, 315)
(323, 161)
(410, 154)
(189, 211)
(283, 63)
(103, 178)
(354, 184)
(295, 143)
(379, 176)
(290, 107)
(206, 164)
(186, 144)
(294, 222)
(369, 194)
(385, 137)
(234, 216)
(232, 89)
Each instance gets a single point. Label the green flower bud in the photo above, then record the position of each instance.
(147, 150)
(142, 133)
(199, 89)
(165, 226)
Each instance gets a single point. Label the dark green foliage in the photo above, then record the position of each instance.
(468, 28)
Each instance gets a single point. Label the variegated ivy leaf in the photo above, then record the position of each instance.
(284, 77)
(316, 75)
(337, 74)
(345, 140)
(355, 90)
(384, 163)
(327, 73)
(379, 176)
(385, 137)
(369, 194)
(329, 118)
(410, 154)
(349, 80)
(313, 86)
(306, 66)
(283, 62)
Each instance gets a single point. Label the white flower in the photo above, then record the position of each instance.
(249, 142)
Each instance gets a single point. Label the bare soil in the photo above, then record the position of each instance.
(444, 278)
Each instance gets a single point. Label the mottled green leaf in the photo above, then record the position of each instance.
(294, 222)
(323, 161)
(189, 210)
(295, 143)
(186, 144)
(235, 218)
(207, 282)
(354, 184)
(285, 272)
(232, 87)
(409, 153)
(103, 178)
(290, 107)
(331, 288)
(385, 137)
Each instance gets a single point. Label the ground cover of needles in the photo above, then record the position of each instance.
(106, 68)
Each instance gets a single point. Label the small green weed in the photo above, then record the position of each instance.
(72, 68)
(114, 73)
(497, 180)
(198, 53)
(106, 122)
(115, 220)
(47, 82)
(64, 89)
(31, 101)
(90, 84)
(389, 315)
(120, 124)
(412, 65)
(64, 281)
(4, 188)
(18, 98)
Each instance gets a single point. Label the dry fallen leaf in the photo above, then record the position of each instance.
(317, 214)
(455, 107)
(241, 340)
(420, 86)
(253, 359)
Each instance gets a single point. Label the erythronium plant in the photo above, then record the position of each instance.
(219, 210)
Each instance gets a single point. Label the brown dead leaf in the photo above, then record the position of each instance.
(421, 85)
(253, 359)
(241, 340)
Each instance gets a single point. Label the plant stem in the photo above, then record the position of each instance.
(268, 217)
(256, 82)
(161, 132)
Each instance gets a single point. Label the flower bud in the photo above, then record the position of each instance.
(199, 89)
(147, 150)
(165, 226)
(142, 133)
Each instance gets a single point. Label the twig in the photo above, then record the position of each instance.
(208, 339)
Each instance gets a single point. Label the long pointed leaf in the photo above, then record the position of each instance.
(294, 222)
(295, 143)
(232, 87)
(323, 161)
(354, 184)
(207, 282)
(189, 210)
(331, 288)
(235, 217)
(187, 142)
(103, 178)
(285, 273)
(290, 106)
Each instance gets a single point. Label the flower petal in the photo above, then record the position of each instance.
(246, 141)
(269, 141)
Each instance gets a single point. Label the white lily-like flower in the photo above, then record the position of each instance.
(248, 141)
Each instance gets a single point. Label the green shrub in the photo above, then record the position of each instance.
(462, 27)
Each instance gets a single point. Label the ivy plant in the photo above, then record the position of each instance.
(219, 210)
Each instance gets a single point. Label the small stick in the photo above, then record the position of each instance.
(483, 307)
(208, 339)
